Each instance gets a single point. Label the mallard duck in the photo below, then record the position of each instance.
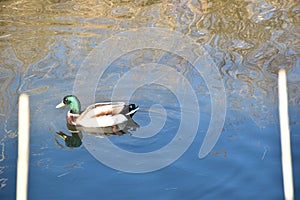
(107, 114)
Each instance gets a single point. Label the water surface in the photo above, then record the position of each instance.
(44, 43)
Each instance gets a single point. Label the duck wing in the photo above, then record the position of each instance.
(105, 114)
(101, 109)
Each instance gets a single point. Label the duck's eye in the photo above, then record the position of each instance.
(65, 100)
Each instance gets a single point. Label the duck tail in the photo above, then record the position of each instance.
(132, 109)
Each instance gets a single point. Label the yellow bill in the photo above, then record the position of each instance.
(60, 105)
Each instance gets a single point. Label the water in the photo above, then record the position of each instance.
(45, 44)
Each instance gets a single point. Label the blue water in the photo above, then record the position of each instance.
(44, 46)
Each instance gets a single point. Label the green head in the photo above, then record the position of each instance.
(71, 101)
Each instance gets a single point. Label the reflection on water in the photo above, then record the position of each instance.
(71, 141)
(77, 132)
(248, 42)
(43, 44)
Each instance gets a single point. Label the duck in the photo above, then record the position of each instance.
(98, 115)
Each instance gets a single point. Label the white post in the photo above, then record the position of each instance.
(286, 157)
(23, 147)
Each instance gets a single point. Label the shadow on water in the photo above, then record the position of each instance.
(75, 139)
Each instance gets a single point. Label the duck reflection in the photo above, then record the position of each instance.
(74, 139)
(70, 141)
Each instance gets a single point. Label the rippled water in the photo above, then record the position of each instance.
(44, 43)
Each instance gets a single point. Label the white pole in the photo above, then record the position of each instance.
(286, 157)
(23, 147)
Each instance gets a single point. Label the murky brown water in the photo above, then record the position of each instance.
(248, 40)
